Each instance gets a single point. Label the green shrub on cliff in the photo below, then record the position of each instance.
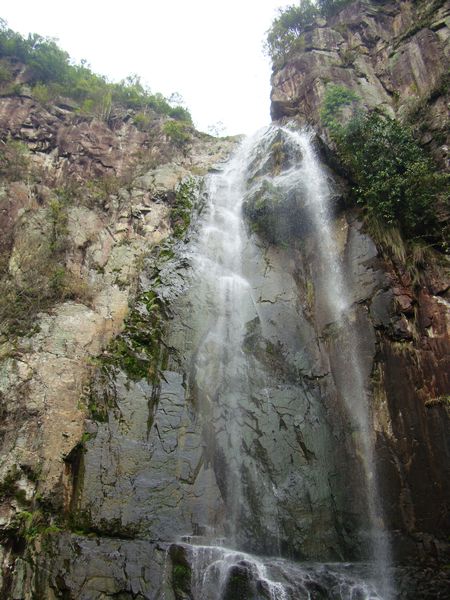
(178, 132)
(5, 74)
(337, 97)
(287, 27)
(14, 160)
(393, 177)
(330, 7)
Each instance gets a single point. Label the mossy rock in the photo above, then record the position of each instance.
(181, 573)
(240, 583)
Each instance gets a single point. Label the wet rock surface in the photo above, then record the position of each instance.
(394, 56)
(103, 568)
(133, 463)
(120, 568)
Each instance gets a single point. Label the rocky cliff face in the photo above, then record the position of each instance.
(108, 450)
(154, 469)
(83, 201)
(395, 55)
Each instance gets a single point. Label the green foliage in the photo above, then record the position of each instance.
(330, 7)
(31, 525)
(44, 93)
(139, 350)
(414, 256)
(39, 277)
(179, 133)
(181, 580)
(5, 74)
(337, 97)
(98, 409)
(57, 211)
(8, 487)
(46, 285)
(43, 277)
(180, 113)
(287, 27)
(52, 75)
(439, 401)
(142, 120)
(284, 36)
(180, 215)
(393, 177)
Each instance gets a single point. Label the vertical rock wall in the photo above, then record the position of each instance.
(82, 203)
(395, 56)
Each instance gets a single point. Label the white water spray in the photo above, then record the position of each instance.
(220, 365)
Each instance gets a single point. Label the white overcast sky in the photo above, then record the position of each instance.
(208, 51)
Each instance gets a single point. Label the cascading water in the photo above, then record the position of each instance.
(353, 386)
(239, 401)
(219, 368)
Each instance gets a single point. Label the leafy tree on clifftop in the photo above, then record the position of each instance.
(283, 36)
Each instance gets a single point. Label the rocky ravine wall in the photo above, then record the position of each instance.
(43, 375)
(122, 182)
(395, 55)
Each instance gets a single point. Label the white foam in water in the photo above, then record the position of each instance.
(211, 567)
(274, 579)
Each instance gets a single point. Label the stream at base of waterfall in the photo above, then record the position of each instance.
(276, 180)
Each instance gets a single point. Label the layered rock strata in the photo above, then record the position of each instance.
(83, 201)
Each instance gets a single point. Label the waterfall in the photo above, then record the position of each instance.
(220, 362)
(353, 385)
(253, 400)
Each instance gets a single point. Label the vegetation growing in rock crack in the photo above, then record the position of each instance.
(179, 133)
(140, 350)
(14, 160)
(31, 282)
(186, 196)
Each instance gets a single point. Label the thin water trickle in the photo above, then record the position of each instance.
(222, 374)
